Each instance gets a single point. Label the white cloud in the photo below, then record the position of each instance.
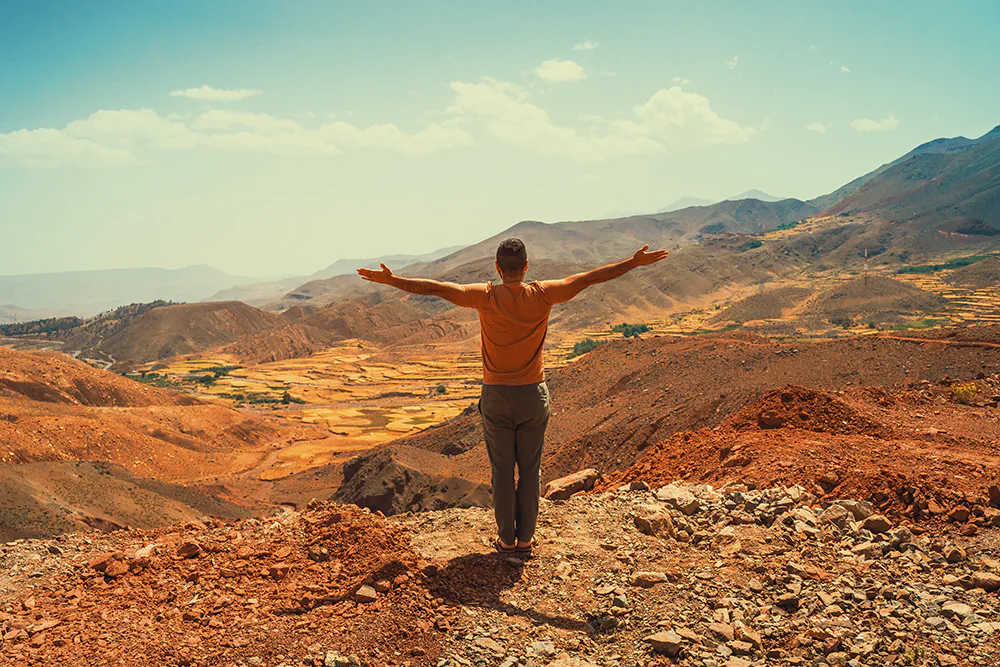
(508, 115)
(813, 48)
(130, 127)
(671, 118)
(210, 94)
(47, 148)
(681, 81)
(587, 45)
(558, 70)
(817, 127)
(732, 64)
(224, 119)
(388, 137)
(845, 69)
(675, 118)
(887, 124)
(592, 118)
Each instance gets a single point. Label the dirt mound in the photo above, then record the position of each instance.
(911, 451)
(257, 592)
(762, 306)
(404, 479)
(876, 298)
(797, 407)
(985, 273)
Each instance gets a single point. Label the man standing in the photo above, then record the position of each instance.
(514, 405)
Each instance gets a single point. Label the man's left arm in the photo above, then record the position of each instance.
(467, 296)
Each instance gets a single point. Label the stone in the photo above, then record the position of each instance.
(877, 524)
(680, 499)
(869, 550)
(959, 515)
(788, 601)
(723, 631)
(564, 487)
(994, 495)
(988, 581)
(546, 649)
(115, 568)
(365, 594)
(648, 579)
(770, 419)
(745, 633)
(953, 553)
(188, 550)
(740, 648)
(489, 645)
(653, 522)
(958, 609)
(860, 509)
(383, 586)
(100, 563)
(836, 515)
(666, 643)
(279, 571)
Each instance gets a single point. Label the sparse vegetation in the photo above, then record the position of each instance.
(584, 346)
(288, 399)
(964, 392)
(842, 321)
(221, 371)
(40, 327)
(953, 264)
(630, 330)
(750, 245)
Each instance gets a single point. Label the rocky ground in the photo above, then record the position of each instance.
(682, 574)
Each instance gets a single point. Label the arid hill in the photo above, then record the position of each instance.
(875, 299)
(985, 273)
(82, 446)
(763, 305)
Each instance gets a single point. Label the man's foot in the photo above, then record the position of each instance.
(504, 548)
(526, 547)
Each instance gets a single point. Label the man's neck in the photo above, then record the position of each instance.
(512, 281)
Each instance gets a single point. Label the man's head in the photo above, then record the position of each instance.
(512, 259)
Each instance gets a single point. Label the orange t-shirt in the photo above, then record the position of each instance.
(513, 318)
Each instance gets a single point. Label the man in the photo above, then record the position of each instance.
(514, 405)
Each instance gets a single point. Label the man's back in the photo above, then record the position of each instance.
(514, 319)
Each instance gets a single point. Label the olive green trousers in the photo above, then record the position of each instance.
(514, 421)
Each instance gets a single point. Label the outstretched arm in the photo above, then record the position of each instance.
(460, 295)
(560, 291)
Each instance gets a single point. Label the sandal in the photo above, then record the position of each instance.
(527, 548)
(498, 545)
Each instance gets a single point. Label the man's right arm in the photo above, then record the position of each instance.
(560, 291)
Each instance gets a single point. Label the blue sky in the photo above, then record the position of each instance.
(270, 138)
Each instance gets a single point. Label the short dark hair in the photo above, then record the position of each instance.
(512, 256)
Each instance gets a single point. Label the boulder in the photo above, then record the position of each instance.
(652, 521)
(876, 523)
(665, 643)
(564, 487)
(680, 499)
(648, 579)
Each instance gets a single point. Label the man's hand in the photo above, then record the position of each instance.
(383, 277)
(643, 258)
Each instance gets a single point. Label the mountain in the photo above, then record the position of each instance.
(935, 192)
(754, 194)
(687, 202)
(262, 293)
(91, 292)
(942, 145)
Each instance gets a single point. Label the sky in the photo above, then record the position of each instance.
(271, 138)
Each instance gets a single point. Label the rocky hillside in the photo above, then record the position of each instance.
(682, 574)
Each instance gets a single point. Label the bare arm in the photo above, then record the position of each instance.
(560, 291)
(460, 295)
